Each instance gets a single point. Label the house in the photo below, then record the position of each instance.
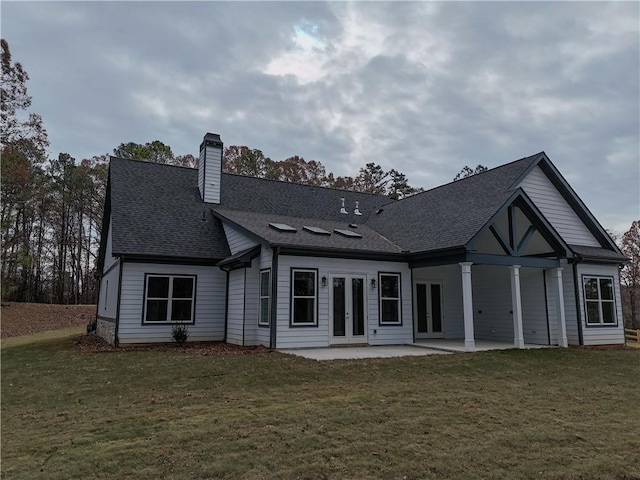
(510, 255)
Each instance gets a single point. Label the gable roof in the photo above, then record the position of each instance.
(450, 215)
(158, 212)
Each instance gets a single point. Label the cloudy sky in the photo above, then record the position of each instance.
(424, 88)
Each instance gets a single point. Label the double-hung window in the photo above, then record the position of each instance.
(265, 287)
(389, 284)
(304, 297)
(600, 306)
(169, 298)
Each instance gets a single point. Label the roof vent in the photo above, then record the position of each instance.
(379, 211)
(353, 225)
(343, 210)
(282, 227)
(357, 210)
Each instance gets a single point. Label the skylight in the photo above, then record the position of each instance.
(347, 233)
(282, 227)
(316, 230)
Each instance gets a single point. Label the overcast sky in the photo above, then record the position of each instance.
(424, 88)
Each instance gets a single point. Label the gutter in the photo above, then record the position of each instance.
(226, 308)
(274, 298)
(578, 259)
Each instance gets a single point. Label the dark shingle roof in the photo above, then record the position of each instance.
(449, 215)
(598, 253)
(291, 199)
(156, 210)
(258, 223)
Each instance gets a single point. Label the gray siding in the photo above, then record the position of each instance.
(556, 209)
(237, 240)
(235, 308)
(552, 304)
(209, 308)
(108, 299)
(251, 302)
(209, 172)
(534, 313)
(601, 335)
(109, 259)
(451, 278)
(318, 336)
(571, 316)
(264, 261)
(492, 318)
(201, 173)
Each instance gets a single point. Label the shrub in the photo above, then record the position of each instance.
(180, 333)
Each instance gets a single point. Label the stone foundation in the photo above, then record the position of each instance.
(106, 328)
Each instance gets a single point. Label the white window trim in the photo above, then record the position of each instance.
(398, 298)
(292, 323)
(169, 300)
(600, 301)
(261, 297)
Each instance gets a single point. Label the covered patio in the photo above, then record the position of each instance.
(502, 289)
(458, 345)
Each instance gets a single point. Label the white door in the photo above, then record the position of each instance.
(428, 310)
(348, 309)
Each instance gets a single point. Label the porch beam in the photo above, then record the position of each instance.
(467, 303)
(516, 305)
(562, 321)
(492, 259)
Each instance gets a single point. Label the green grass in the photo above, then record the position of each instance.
(40, 336)
(551, 413)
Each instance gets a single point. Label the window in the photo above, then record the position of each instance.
(303, 297)
(389, 298)
(169, 298)
(600, 307)
(265, 277)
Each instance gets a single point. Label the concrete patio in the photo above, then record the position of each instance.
(420, 348)
(365, 351)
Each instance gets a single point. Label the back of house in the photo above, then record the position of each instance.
(510, 255)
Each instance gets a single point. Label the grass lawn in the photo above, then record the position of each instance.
(551, 413)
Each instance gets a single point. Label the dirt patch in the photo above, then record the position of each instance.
(29, 318)
(93, 343)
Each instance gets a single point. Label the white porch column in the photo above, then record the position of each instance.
(516, 305)
(467, 302)
(562, 321)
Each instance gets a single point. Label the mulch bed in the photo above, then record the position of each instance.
(93, 344)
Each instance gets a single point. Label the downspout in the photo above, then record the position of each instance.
(274, 298)
(226, 308)
(244, 305)
(116, 340)
(577, 260)
(413, 310)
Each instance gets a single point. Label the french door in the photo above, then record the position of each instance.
(428, 309)
(348, 309)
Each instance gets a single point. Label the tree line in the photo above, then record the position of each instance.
(51, 214)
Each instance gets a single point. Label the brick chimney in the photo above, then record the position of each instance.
(210, 168)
